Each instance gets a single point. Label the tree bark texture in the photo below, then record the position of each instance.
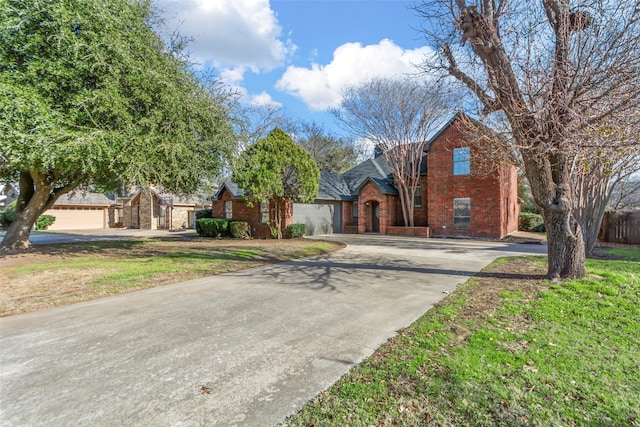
(37, 195)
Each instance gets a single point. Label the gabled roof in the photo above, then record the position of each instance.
(233, 189)
(198, 199)
(384, 185)
(376, 168)
(442, 129)
(5, 188)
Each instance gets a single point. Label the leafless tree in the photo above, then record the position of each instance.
(397, 115)
(626, 194)
(332, 153)
(606, 161)
(556, 69)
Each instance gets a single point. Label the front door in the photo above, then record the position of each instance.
(375, 217)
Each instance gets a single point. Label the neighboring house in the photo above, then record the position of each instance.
(457, 196)
(8, 193)
(151, 209)
(82, 210)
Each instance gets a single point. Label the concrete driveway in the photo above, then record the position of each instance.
(75, 236)
(263, 341)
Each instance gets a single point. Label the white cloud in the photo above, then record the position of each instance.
(264, 99)
(230, 33)
(320, 86)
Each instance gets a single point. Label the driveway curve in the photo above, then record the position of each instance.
(246, 348)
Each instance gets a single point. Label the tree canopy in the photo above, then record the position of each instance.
(331, 153)
(89, 95)
(277, 170)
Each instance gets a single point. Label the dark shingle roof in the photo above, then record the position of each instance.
(384, 185)
(377, 168)
(84, 198)
(333, 187)
(235, 191)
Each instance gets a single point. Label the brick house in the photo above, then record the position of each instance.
(457, 196)
(152, 209)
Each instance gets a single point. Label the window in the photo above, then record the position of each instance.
(264, 213)
(228, 209)
(355, 213)
(462, 214)
(461, 161)
(417, 197)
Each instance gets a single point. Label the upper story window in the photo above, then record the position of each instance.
(461, 161)
(417, 197)
(228, 209)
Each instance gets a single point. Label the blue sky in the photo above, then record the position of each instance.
(299, 54)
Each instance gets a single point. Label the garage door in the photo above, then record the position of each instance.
(77, 218)
(320, 218)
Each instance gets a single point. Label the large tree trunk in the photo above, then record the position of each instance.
(565, 248)
(551, 187)
(36, 196)
(17, 236)
(31, 203)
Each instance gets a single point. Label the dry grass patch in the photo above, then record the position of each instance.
(53, 275)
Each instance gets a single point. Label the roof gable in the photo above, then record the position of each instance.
(384, 186)
(233, 189)
(377, 168)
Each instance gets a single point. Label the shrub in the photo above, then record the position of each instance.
(529, 207)
(212, 227)
(9, 213)
(531, 222)
(240, 229)
(294, 231)
(203, 213)
(44, 221)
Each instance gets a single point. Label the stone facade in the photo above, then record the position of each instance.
(144, 211)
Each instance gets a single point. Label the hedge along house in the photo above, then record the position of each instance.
(229, 203)
(151, 209)
(457, 196)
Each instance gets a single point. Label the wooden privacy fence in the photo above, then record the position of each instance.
(621, 227)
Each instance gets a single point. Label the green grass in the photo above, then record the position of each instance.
(64, 274)
(629, 254)
(566, 355)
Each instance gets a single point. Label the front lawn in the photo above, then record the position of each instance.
(52, 275)
(507, 348)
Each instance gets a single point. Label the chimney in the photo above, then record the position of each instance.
(377, 152)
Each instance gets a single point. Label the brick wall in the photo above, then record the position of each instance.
(421, 214)
(242, 212)
(369, 196)
(493, 206)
